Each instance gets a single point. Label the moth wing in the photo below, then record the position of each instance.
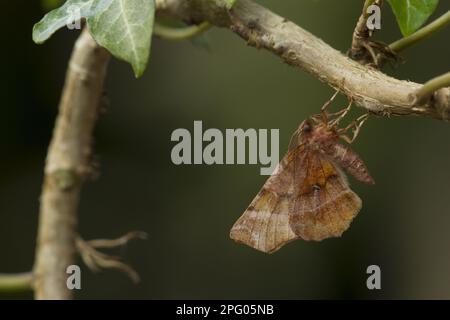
(265, 224)
(324, 205)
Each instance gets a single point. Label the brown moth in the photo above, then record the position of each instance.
(307, 196)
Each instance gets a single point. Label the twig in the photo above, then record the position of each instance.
(361, 33)
(97, 261)
(369, 88)
(113, 243)
(421, 34)
(66, 167)
(16, 282)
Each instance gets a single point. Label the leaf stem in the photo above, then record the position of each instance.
(16, 282)
(421, 34)
(431, 86)
(179, 33)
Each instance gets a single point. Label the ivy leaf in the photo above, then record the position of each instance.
(63, 15)
(125, 29)
(412, 14)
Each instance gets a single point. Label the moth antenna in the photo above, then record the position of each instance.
(291, 141)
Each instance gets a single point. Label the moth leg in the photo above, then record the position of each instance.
(346, 138)
(317, 118)
(361, 120)
(326, 105)
(356, 126)
(341, 114)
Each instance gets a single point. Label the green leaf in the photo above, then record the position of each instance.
(125, 29)
(60, 17)
(229, 3)
(412, 14)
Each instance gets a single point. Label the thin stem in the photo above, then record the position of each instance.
(431, 86)
(367, 4)
(16, 282)
(361, 34)
(421, 34)
(180, 33)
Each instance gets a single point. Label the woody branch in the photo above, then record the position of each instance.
(66, 168)
(261, 28)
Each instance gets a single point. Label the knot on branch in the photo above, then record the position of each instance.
(64, 179)
(440, 100)
(251, 32)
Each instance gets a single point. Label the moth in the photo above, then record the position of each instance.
(308, 195)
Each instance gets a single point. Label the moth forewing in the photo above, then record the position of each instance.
(265, 224)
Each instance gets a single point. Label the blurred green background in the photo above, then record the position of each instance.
(188, 210)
